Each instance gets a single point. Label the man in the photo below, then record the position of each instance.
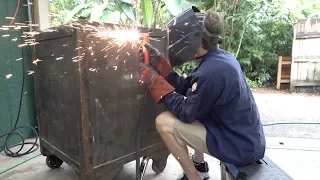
(212, 110)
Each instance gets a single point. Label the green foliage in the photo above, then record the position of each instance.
(60, 9)
(268, 34)
(255, 31)
(176, 7)
(151, 13)
(112, 11)
(252, 84)
(303, 8)
(147, 12)
(185, 68)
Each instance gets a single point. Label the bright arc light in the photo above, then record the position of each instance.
(121, 36)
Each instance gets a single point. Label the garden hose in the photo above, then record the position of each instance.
(14, 166)
(289, 123)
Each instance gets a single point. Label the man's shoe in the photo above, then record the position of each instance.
(202, 168)
(185, 178)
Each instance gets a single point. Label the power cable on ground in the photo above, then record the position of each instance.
(35, 145)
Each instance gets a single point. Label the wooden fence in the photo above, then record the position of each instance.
(305, 68)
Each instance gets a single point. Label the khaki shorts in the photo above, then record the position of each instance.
(194, 135)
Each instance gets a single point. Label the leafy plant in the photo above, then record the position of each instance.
(109, 11)
(255, 32)
(148, 13)
(185, 68)
(252, 84)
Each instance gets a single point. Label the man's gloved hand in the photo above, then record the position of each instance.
(158, 61)
(148, 73)
(157, 85)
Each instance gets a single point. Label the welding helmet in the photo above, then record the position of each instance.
(185, 34)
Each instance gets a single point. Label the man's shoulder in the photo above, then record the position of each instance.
(223, 56)
(221, 67)
(221, 61)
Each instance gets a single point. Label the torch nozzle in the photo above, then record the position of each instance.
(144, 38)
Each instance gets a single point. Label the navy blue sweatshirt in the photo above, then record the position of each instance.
(216, 94)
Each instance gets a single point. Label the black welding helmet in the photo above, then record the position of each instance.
(185, 33)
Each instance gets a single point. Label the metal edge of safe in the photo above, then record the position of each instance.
(85, 162)
(54, 33)
(45, 148)
(86, 133)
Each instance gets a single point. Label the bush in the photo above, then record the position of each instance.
(252, 84)
(256, 33)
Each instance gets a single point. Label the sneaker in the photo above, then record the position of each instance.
(202, 168)
(185, 178)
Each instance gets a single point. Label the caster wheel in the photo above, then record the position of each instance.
(53, 162)
(158, 166)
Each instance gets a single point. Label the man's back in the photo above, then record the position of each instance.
(235, 134)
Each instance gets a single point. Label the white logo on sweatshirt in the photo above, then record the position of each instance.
(194, 87)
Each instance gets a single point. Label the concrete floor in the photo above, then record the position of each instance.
(298, 157)
(289, 108)
(36, 169)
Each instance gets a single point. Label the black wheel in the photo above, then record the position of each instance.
(158, 165)
(53, 162)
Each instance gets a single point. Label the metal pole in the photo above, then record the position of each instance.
(30, 18)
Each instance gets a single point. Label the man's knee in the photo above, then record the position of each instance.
(165, 122)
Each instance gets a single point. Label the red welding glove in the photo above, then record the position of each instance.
(158, 61)
(157, 85)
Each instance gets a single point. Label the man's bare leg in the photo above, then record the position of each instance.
(164, 124)
(198, 156)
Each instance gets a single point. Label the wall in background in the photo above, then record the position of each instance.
(11, 73)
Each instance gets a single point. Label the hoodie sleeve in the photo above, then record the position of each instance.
(198, 101)
(180, 83)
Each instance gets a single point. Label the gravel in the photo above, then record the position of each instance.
(281, 107)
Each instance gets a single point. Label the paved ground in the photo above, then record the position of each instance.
(282, 107)
(298, 157)
(36, 169)
(297, 151)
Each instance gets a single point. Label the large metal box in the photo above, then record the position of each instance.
(88, 108)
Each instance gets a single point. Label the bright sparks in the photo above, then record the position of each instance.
(116, 36)
(120, 36)
(8, 76)
(59, 58)
(30, 72)
(36, 61)
(22, 45)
